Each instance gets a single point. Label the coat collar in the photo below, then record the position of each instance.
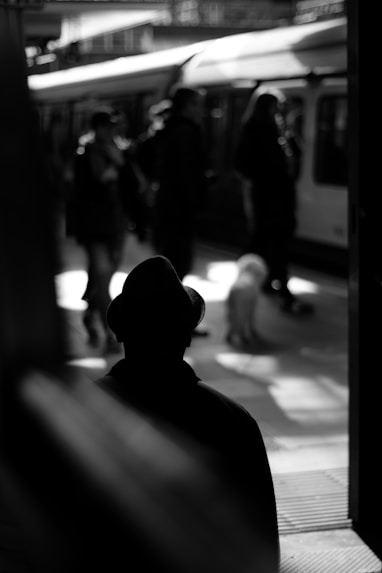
(151, 375)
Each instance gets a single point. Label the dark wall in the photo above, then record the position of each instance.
(365, 294)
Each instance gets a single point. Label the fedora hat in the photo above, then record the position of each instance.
(154, 300)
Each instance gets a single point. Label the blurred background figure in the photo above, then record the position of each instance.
(147, 150)
(182, 182)
(266, 160)
(147, 145)
(106, 198)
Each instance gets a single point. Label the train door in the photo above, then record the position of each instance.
(329, 164)
(319, 112)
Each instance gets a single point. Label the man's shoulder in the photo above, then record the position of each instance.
(223, 402)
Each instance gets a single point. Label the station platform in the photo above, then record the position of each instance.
(297, 391)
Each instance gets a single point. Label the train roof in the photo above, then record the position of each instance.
(290, 52)
(279, 53)
(128, 65)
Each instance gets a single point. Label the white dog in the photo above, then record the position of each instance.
(242, 300)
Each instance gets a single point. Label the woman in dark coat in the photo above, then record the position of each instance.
(265, 158)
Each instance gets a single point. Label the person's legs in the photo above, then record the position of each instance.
(263, 243)
(103, 261)
(276, 254)
(90, 316)
(115, 252)
(174, 240)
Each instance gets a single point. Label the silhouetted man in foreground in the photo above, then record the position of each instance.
(154, 317)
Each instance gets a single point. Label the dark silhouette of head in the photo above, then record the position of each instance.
(104, 117)
(154, 308)
(264, 104)
(187, 102)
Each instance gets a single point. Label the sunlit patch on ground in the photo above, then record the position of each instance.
(210, 291)
(248, 364)
(116, 283)
(302, 286)
(70, 285)
(301, 394)
(220, 276)
(303, 399)
(93, 362)
(222, 272)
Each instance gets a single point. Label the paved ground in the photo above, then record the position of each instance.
(296, 389)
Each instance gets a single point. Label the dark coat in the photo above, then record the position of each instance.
(181, 169)
(104, 210)
(263, 157)
(181, 193)
(216, 423)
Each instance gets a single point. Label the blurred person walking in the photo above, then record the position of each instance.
(182, 183)
(266, 161)
(147, 152)
(106, 197)
(148, 144)
(154, 317)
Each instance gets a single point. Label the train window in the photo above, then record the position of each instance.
(331, 142)
(99, 44)
(119, 40)
(294, 116)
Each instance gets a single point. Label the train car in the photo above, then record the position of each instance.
(308, 62)
(65, 99)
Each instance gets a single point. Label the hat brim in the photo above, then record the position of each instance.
(116, 310)
(198, 304)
